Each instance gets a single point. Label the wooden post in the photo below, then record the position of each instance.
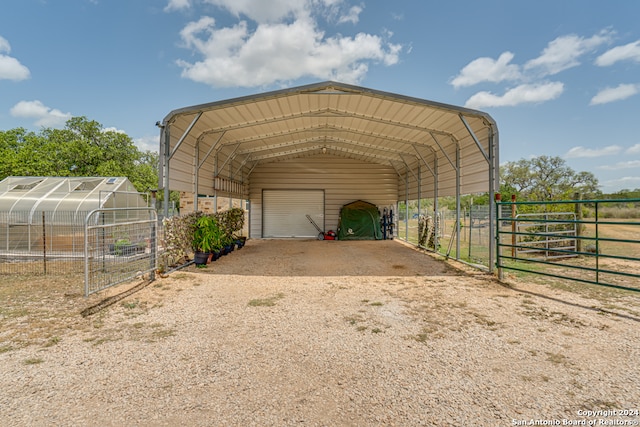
(578, 211)
(513, 225)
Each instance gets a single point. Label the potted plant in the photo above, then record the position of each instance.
(227, 244)
(240, 241)
(206, 238)
(231, 223)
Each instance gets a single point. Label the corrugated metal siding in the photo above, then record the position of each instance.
(343, 180)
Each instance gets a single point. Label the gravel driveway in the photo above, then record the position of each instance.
(324, 333)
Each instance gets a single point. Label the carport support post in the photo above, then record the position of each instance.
(419, 188)
(196, 174)
(494, 184)
(165, 141)
(435, 204)
(458, 202)
(406, 204)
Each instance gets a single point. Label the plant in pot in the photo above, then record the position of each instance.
(240, 241)
(227, 244)
(206, 238)
(231, 222)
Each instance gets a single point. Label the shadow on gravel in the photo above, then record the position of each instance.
(594, 309)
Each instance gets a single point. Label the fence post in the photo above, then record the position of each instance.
(154, 237)
(498, 199)
(44, 244)
(578, 211)
(513, 225)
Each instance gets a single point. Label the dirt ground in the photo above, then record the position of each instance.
(307, 332)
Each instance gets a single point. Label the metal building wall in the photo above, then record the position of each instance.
(343, 180)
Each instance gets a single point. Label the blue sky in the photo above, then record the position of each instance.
(561, 78)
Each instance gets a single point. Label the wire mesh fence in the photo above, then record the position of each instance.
(119, 245)
(472, 245)
(105, 247)
(41, 242)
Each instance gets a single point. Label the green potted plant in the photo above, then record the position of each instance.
(240, 241)
(206, 238)
(231, 223)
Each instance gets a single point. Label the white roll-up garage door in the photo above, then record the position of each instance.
(284, 212)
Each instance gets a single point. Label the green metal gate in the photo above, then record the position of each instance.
(606, 250)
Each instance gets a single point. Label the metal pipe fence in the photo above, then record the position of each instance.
(602, 252)
(119, 245)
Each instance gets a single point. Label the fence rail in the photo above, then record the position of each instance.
(41, 243)
(545, 235)
(119, 246)
(590, 250)
(108, 246)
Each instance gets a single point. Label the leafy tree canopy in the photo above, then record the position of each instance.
(545, 178)
(82, 148)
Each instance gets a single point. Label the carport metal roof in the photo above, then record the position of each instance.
(455, 149)
(436, 149)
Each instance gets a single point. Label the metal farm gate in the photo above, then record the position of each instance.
(539, 238)
(593, 248)
(120, 244)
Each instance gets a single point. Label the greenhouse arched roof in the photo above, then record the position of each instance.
(66, 194)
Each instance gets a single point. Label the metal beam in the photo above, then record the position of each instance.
(442, 149)
(407, 166)
(165, 138)
(229, 157)
(494, 184)
(184, 135)
(206, 156)
(475, 139)
(457, 201)
(424, 161)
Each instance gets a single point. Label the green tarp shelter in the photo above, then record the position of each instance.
(359, 220)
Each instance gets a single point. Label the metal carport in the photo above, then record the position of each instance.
(229, 148)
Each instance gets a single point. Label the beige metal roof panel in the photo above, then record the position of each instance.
(234, 136)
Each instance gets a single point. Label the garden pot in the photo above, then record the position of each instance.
(200, 258)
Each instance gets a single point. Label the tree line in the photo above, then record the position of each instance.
(85, 148)
(82, 148)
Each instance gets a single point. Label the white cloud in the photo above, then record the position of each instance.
(352, 16)
(113, 129)
(560, 54)
(43, 115)
(148, 143)
(617, 93)
(631, 164)
(177, 5)
(624, 182)
(278, 51)
(523, 94)
(629, 51)
(634, 149)
(564, 52)
(11, 68)
(488, 70)
(4, 45)
(263, 11)
(579, 151)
